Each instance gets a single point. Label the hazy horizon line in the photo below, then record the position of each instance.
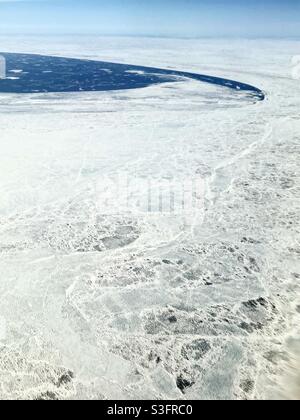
(145, 35)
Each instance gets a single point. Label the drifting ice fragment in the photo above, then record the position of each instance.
(2, 67)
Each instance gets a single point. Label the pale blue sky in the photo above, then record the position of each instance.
(256, 18)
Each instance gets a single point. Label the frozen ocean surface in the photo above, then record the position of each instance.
(104, 296)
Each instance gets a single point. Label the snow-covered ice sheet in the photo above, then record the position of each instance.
(132, 304)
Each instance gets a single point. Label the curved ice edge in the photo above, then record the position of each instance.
(255, 92)
(231, 84)
(227, 83)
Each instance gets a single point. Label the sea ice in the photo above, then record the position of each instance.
(116, 301)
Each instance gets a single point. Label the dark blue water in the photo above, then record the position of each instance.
(29, 73)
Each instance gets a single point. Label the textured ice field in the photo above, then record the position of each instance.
(130, 304)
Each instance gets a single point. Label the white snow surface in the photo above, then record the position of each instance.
(133, 305)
